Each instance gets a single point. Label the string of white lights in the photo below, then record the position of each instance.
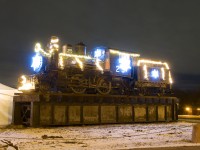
(152, 62)
(124, 53)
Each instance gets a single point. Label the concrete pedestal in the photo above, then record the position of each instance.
(196, 133)
(59, 109)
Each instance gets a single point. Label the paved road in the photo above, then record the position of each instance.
(170, 148)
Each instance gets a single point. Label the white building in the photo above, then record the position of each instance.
(6, 104)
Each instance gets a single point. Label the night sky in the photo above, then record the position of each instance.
(167, 30)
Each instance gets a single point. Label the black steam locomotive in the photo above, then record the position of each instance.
(103, 71)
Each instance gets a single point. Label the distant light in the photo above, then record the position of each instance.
(187, 108)
(155, 73)
(198, 109)
(37, 62)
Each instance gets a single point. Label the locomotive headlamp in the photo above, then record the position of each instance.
(99, 53)
(37, 62)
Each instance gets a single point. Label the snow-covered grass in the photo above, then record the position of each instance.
(123, 136)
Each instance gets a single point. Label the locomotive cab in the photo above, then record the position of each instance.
(120, 66)
(154, 77)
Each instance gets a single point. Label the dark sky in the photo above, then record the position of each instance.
(167, 30)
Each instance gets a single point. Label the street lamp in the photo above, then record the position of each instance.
(187, 109)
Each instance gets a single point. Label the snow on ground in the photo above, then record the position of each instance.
(123, 136)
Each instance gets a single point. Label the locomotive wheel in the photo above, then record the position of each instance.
(103, 86)
(77, 88)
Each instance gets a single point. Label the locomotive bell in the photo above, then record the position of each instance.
(80, 49)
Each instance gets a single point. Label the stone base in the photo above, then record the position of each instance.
(196, 133)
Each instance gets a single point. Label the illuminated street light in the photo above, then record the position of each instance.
(187, 108)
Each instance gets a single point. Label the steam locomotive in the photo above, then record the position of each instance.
(104, 71)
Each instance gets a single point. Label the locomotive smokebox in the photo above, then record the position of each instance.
(80, 49)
